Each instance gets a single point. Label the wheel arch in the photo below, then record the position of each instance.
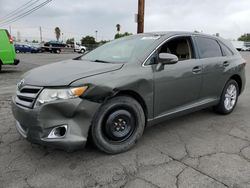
(237, 78)
(137, 97)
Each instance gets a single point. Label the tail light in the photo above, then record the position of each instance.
(11, 39)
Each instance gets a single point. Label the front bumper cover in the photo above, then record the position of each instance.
(36, 124)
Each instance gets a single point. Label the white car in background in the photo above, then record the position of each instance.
(79, 48)
(245, 48)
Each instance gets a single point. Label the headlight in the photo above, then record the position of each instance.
(49, 95)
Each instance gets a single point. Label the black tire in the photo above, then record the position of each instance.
(17, 51)
(111, 117)
(222, 107)
(0, 66)
(82, 51)
(58, 51)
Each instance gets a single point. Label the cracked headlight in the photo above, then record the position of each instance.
(49, 95)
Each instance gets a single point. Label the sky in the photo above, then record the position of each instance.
(77, 18)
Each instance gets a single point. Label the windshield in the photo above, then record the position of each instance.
(121, 50)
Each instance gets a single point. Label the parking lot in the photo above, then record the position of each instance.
(202, 149)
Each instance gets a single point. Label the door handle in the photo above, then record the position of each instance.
(225, 63)
(197, 70)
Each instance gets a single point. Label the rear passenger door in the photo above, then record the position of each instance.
(214, 63)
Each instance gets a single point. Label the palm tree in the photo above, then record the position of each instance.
(58, 33)
(118, 27)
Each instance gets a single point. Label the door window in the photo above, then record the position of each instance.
(226, 51)
(208, 47)
(181, 47)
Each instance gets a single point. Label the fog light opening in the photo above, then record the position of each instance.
(58, 132)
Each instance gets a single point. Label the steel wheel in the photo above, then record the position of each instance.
(119, 125)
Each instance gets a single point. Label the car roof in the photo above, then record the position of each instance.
(169, 33)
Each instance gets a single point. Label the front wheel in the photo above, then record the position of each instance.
(118, 125)
(229, 98)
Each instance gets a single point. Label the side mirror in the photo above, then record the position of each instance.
(166, 58)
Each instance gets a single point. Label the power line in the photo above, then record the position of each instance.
(19, 9)
(18, 17)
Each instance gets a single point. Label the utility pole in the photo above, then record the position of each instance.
(10, 29)
(18, 36)
(96, 35)
(140, 21)
(41, 36)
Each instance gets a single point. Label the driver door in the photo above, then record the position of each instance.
(177, 86)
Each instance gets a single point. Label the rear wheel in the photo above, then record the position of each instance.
(229, 98)
(82, 51)
(0, 66)
(118, 125)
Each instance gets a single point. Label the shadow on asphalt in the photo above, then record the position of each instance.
(9, 71)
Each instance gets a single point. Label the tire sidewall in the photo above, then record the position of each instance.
(97, 125)
(222, 105)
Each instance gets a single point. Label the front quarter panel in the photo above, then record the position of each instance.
(132, 77)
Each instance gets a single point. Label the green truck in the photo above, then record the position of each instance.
(7, 49)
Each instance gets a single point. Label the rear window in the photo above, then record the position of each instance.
(208, 47)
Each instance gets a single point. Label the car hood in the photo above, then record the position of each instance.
(65, 72)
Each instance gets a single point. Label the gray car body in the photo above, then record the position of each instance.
(164, 93)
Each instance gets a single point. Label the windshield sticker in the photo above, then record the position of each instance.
(150, 38)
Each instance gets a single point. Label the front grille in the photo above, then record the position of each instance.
(27, 96)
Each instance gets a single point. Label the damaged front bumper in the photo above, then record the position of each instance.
(60, 124)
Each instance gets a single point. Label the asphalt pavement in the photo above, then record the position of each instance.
(199, 150)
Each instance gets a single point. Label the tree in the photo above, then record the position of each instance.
(119, 35)
(103, 42)
(58, 33)
(118, 28)
(70, 41)
(88, 40)
(245, 37)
